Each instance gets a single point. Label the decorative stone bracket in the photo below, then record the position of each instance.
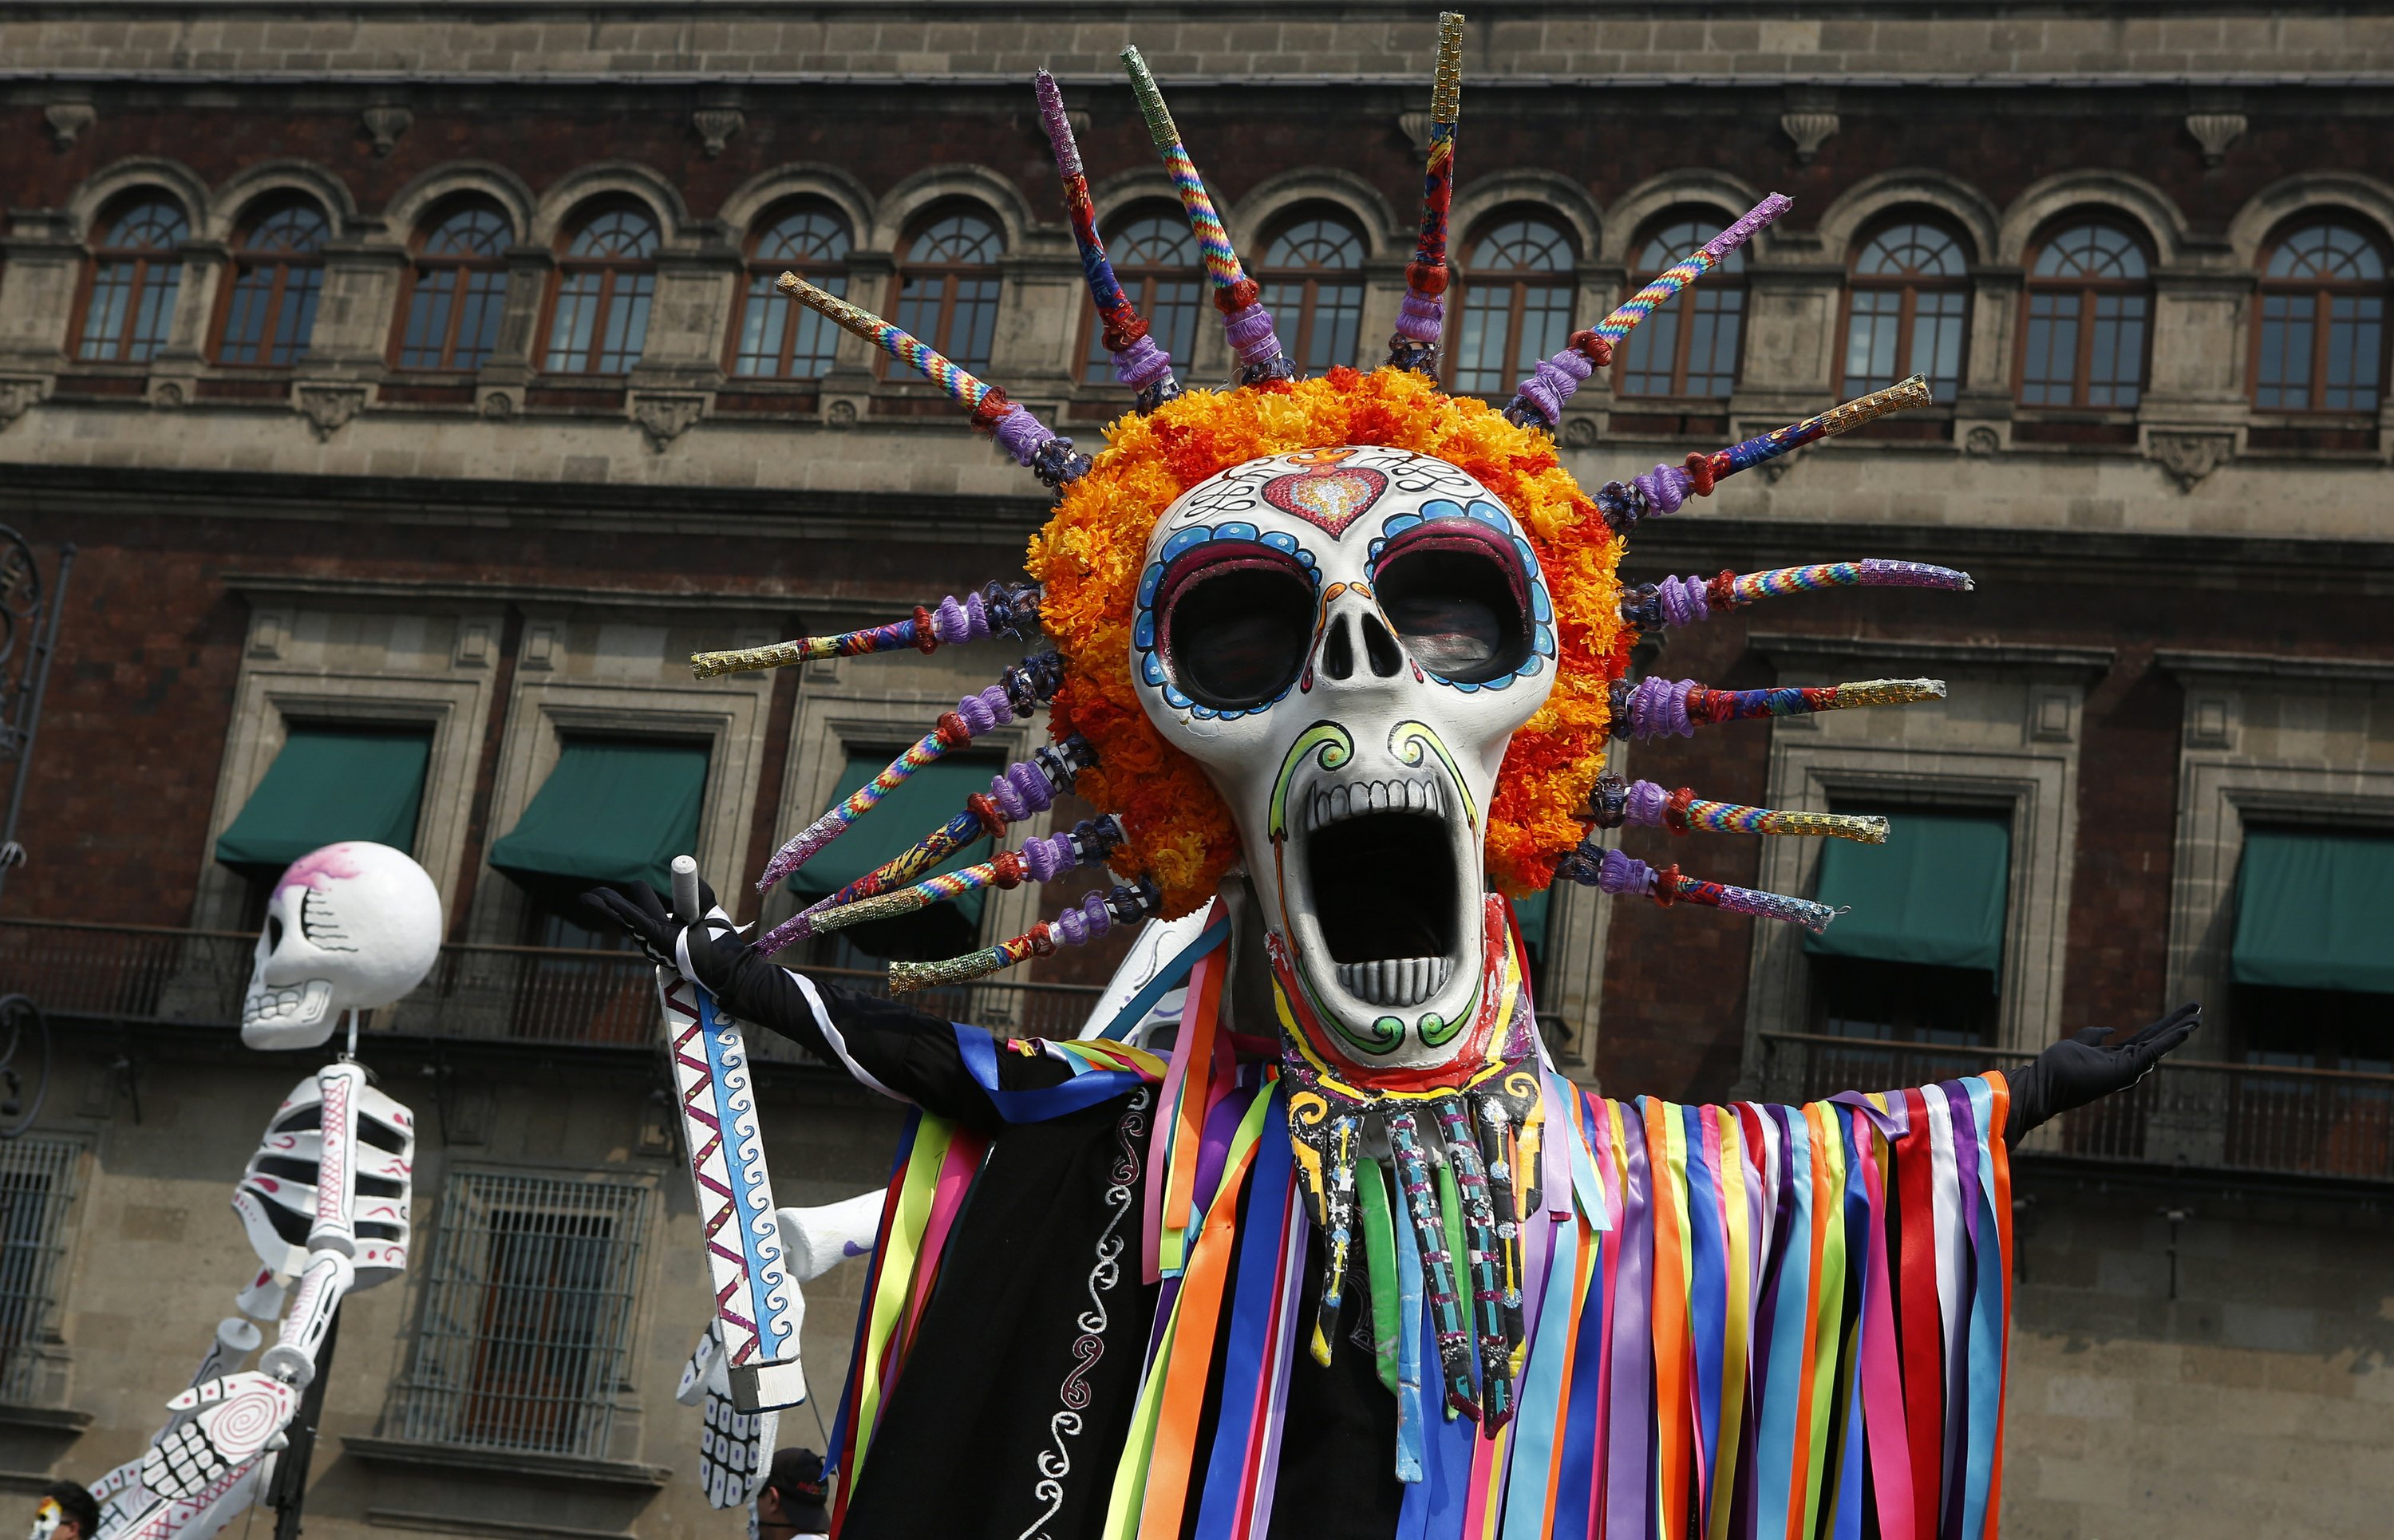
(2215, 132)
(1416, 127)
(716, 125)
(67, 121)
(385, 124)
(1810, 131)
(2189, 458)
(328, 408)
(17, 398)
(666, 416)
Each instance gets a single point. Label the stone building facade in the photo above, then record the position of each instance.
(401, 369)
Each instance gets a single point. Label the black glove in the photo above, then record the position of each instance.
(643, 913)
(2081, 1068)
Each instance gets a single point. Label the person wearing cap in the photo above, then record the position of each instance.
(66, 1512)
(790, 1504)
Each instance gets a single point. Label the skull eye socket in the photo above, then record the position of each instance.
(1458, 603)
(1234, 624)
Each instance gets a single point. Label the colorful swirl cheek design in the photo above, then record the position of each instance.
(1480, 510)
(1147, 666)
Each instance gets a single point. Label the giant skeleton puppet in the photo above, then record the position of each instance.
(324, 1200)
(1338, 659)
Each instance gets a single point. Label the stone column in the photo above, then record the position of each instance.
(847, 390)
(43, 262)
(1983, 416)
(2193, 414)
(174, 374)
(516, 358)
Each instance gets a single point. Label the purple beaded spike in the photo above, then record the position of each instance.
(1612, 872)
(1139, 361)
(1540, 398)
(1686, 600)
(1085, 844)
(1656, 708)
(1008, 609)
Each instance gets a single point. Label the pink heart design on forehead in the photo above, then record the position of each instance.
(1325, 494)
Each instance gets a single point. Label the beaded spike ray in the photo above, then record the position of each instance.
(1085, 844)
(1686, 600)
(1001, 609)
(1656, 708)
(1664, 488)
(1235, 294)
(1139, 361)
(1617, 802)
(1033, 444)
(1538, 401)
(1614, 873)
(1085, 922)
(1422, 318)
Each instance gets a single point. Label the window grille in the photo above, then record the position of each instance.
(37, 1179)
(527, 1315)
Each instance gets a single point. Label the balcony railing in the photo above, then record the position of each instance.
(518, 994)
(2224, 1117)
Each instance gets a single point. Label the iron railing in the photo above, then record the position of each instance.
(2211, 1117)
(520, 994)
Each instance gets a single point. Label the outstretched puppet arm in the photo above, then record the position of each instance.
(2082, 1068)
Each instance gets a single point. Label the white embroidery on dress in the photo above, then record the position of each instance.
(1091, 1345)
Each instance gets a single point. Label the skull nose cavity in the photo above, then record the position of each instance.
(1387, 658)
(1338, 651)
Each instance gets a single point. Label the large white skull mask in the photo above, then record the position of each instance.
(351, 927)
(1347, 639)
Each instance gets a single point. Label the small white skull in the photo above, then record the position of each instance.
(1347, 639)
(351, 927)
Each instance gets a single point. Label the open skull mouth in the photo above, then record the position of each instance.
(1380, 874)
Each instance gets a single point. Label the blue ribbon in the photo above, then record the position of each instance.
(1086, 1089)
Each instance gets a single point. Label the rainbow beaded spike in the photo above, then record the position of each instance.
(1091, 918)
(1024, 788)
(1033, 444)
(1611, 871)
(1686, 600)
(1001, 609)
(1662, 490)
(1085, 844)
(1539, 399)
(1653, 707)
(1021, 690)
(1235, 294)
(1617, 802)
(1139, 361)
(1421, 319)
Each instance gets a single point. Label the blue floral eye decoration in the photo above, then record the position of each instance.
(1494, 516)
(1145, 630)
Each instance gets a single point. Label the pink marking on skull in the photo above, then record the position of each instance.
(318, 867)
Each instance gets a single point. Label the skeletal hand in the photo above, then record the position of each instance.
(240, 1416)
(734, 1447)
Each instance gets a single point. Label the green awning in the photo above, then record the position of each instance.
(611, 812)
(1934, 893)
(921, 803)
(331, 783)
(2315, 911)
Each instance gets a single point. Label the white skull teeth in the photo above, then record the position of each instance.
(286, 1007)
(1396, 980)
(1411, 793)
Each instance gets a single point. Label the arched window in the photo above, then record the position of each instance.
(599, 323)
(456, 290)
(780, 339)
(278, 267)
(2321, 343)
(135, 271)
(1907, 309)
(1690, 347)
(2089, 293)
(1517, 303)
(1156, 257)
(1312, 283)
(947, 287)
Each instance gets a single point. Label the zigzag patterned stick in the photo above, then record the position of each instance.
(1540, 398)
(1139, 361)
(1235, 294)
(1654, 706)
(1685, 600)
(1010, 609)
(1614, 873)
(1034, 445)
(1663, 489)
(1617, 802)
(1422, 317)
(1096, 914)
(1085, 844)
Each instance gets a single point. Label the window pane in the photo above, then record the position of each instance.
(246, 319)
(478, 327)
(1521, 244)
(962, 238)
(568, 332)
(1666, 247)
(427, 317)
(2283, 378)
(808, 237)
(152, 225)
(2355, 333)
(2091, 251)
(1646, 369)
(627, 324)
(1913, 249)
(156, 312)
(1870, 339)
(1936, 323)
(623, 233)
(103, 317)
(1338, 316)
(1480, 348)
(1158, 240)
(295, 319)
(1546, 324)
(2333, 252)
(470, 232)
(297, 229)
(972, 323)
(1319, 244)
(2117, 366)
(1716, 320)
(2052, 349)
